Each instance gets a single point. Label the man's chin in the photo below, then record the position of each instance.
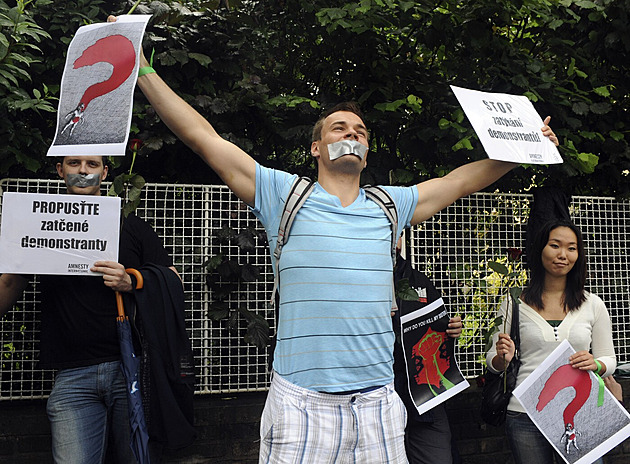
(349, 156)
(349, 164)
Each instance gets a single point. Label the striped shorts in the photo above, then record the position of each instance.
(304, 426)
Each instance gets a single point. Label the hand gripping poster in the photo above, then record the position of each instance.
(508, 127)
(94, 114)
(433, 374)
(573, 410)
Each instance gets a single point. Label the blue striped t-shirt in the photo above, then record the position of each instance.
(334, 328)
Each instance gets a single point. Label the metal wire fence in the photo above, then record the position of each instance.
(453, 248)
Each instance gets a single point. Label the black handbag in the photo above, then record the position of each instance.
(494, 399)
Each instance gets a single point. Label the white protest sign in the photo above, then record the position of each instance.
(577, 415)
(508, 127)
(57, 234)
(99, 78)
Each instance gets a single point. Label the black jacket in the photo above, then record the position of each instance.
(167, 369)
(417, 279)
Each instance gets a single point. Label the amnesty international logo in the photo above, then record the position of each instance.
(78, 268)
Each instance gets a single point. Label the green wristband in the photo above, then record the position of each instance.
(599, 366)
(145, 70)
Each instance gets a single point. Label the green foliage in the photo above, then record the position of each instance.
(129, 187)
(262, 71)
(225, 279)
(510, 285)
(22, 100)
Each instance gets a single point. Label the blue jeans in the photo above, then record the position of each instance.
(85, 405)
(527, 443)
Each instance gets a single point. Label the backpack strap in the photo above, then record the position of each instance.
(380, 196)
(299, 192)
(383, 199)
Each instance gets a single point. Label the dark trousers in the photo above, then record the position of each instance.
(431, 442)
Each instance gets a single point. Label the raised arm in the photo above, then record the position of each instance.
(233, 165)
(11, 287)
(436, 194)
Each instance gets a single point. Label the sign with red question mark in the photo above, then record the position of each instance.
(94, 114)
(580, 421)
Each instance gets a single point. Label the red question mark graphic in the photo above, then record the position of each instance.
(564, 377)
(116, 50)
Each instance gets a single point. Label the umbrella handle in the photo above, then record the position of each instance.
(119, 299)
(120, 306)
(137, 275)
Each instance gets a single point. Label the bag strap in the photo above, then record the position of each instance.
(384, 200)
(300, 191)
(515, 333)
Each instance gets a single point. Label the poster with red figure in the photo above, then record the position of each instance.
(97, 86)
(573, 410)
(433, 373)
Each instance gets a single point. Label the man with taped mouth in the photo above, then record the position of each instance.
(332, 396)
(87, 407)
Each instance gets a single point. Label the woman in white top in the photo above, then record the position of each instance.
(554, 307)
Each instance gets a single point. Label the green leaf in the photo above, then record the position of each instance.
(137, 181)
(130, 207)
(601, 108)
(515, 292)
(257, 332)
(390, 106)
(499, 268)
(463, 144)
(119, 184)
(250, 273)
(246, 241)
(616, 136)
(229, 269)
(603, 91)
(401, 177)
(225, 234)
(405, 292)
(134, 194)
(532, 96)
(214, 262)
(203, 60)
(587, 162)
(580, 108)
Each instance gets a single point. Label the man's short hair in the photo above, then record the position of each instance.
(351, 107)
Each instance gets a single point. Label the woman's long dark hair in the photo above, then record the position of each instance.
(574, 294)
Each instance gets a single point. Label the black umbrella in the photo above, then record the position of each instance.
(130, 365)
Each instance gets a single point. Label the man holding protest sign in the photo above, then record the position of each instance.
(333, 358)
(79, 336)
(428, 436)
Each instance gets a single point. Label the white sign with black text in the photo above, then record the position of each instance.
(57, 234)
(508, 127)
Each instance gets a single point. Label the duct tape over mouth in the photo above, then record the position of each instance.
(346, 147)
(82, 180)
